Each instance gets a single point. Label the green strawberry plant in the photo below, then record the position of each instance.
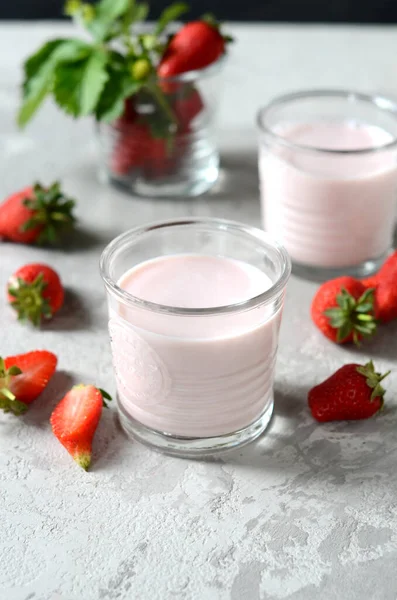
(95, 77)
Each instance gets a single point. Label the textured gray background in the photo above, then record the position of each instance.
(307, 512)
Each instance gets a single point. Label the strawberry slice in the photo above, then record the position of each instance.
(75, 419)
(23, 378)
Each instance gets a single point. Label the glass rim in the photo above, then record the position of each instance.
(381, 103)
(189, 76)
(262, 237)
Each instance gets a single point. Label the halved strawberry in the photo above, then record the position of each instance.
(75, 419)
(23, 377)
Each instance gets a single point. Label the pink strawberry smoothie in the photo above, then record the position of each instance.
(194, 375)
(330, 210)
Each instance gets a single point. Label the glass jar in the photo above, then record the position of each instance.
(328, 178)
(164, 145)
(194, 381)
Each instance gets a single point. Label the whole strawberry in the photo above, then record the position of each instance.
(23, 378)
(187, 106)
(385, 285)
(353, 392)
(195, 46)
(36, 215)
(386, 298)
(75, 419)
(389, 267)
(344, 310)
(35, 292)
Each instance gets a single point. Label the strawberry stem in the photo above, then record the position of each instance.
(105, 395)
(353, 317)
(8, 400)
(373, 379)
(51, 212)
(29, 301)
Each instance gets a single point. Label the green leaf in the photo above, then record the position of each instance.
(107, 12)
(106, 396)
(67, 86)
(344, 331)
(141, 11)
(14, 370)
(39, 73)
(136, 12)
(35, 62)
(119, 86)
(169, 14)
(78, 85)
(93, 82)
(111, 102)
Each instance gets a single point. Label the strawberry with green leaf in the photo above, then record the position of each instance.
(196, 46)
(36, 215)
(118, 77)
(353, 392)
(35, 292)
(345, 310)
(23, 378)
(94, 77)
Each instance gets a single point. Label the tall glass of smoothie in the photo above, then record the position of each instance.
(328, 179)
(194, 314)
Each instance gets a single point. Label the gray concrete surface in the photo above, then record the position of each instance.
(307, 512)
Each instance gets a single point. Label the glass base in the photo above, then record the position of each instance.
(166, 187)
(320, 274)
(186, 447)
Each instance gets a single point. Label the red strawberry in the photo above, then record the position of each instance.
(35, 292)
(353, 392)
(386, 298)
(344, 310)
(195, 46)
(129, 115)
(75, 419)
(385, 284)
(389, 267)
(23, 378)
(370, 282)
(35, 215)
(130, 148)
(161, 159)
(186, 107)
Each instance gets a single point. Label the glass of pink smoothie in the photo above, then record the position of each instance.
(194, 314)
(328, 180)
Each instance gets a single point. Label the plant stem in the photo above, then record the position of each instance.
(162, 102)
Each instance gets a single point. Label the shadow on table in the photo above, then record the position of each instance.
(238, 177)
(383, 345)
(73, 316)
(82, 238)
(295, 446)
(38, 416)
